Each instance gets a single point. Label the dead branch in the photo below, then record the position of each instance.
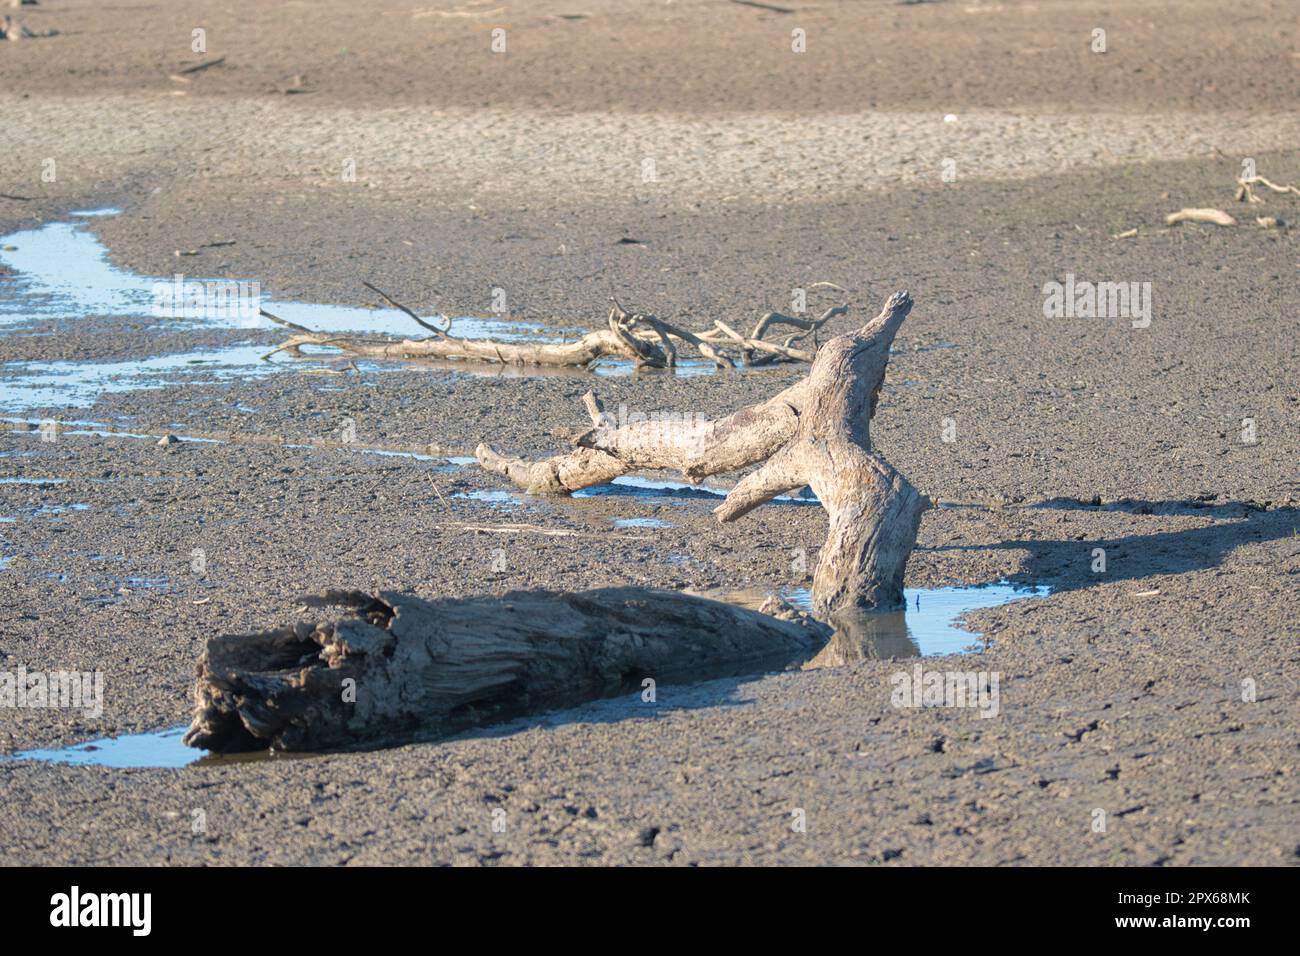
(395, 668)
(397, 305)
(1246, 192)
(695, 448)
(1214, 216)
(200, 67)
(644, 339)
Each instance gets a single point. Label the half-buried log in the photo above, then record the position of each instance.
(396, 668)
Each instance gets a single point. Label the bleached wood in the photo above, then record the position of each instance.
(814, 433)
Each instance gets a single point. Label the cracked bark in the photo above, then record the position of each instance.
(395, 668)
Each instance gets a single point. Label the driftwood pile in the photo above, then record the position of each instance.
(1247, 187)
(396, 668)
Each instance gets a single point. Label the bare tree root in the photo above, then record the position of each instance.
(814, 433)
(395, 668)
(1246, 191)
(645, 340)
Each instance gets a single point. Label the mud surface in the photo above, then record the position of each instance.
(1121, 691)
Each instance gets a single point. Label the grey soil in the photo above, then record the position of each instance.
(1122, 691)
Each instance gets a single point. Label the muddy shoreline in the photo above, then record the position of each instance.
(1121, 689)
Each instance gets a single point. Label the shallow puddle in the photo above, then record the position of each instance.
(79, 384)
(640, 523)
(62, 270)
(928, 627)
(161, 748)
(634, 486)
(157, 749)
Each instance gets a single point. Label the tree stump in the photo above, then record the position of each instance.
(815, 433)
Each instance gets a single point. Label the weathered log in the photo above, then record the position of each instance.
(817, 433)
(602, 343)
(396, 668)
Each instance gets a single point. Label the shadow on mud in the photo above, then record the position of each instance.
(1066, 564)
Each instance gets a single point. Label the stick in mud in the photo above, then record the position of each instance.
(814, 433)
(396, 668)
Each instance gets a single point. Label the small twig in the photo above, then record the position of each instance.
(763, 6)
(197, 67)
(436, 490)
(808, 325)
(286, 323)
(393, 302)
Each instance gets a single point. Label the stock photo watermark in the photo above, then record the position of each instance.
(977, 690)
(53, 690)
(211, 299)
(1075, 299)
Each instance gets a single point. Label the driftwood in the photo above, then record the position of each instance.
(396, 668)
(1246, 190)
(695, 448)
(1215, 217)
(643, 339)
(814, 433)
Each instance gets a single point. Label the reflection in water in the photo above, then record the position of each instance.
(864, 636)
(927, 627)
